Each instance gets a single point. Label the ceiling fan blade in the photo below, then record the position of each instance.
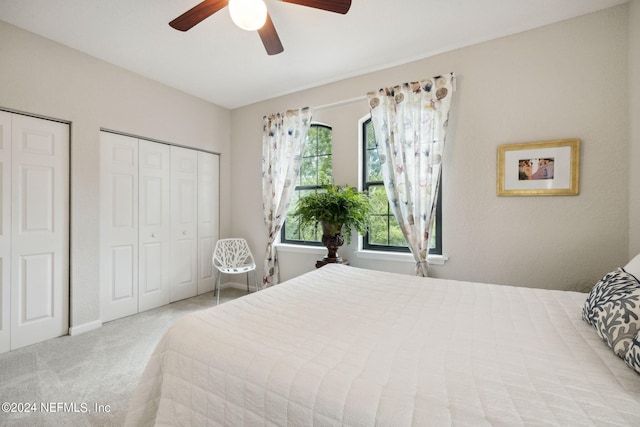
(337, 6)
(269, 37)
(197, 14)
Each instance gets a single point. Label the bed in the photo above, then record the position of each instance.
(348, 346)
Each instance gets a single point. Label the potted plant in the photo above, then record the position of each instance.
(338, 209)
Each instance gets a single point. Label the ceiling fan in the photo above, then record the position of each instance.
(252, 15)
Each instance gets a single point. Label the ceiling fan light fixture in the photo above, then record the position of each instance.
(249, 15)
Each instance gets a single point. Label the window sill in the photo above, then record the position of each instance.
(363, 254)
(301, 249)
(401, 257)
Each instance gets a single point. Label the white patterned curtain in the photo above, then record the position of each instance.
(409, 123)
(283, 137)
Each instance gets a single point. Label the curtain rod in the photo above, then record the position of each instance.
(339, 103)
(360, 98)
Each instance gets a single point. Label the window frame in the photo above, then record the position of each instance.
(365, 184)
(283, 235)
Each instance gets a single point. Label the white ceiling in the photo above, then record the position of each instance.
(228, 66)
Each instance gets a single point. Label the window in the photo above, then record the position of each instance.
(384, 231)
(316, 171)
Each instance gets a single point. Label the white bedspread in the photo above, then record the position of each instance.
(346, 346)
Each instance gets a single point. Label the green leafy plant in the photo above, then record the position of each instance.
(335, 207)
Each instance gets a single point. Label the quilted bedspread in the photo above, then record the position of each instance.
(347, 346)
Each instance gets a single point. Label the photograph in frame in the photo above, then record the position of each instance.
(539, 168)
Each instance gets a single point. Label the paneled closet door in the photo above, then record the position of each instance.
(208, 221)
(40, 230)
(118, 226)
(184, 223)
(5, 231)
(154, 224)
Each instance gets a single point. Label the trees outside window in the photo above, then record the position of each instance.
(384, 232)
(316, 171)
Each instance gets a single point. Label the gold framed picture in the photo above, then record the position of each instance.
(546, 168)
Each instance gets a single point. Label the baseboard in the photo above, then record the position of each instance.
(86, 327)
(90, 326)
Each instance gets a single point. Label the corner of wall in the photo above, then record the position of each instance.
(634, 127)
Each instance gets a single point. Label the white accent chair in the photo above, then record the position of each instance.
(233, 256)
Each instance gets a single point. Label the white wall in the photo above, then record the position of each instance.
(567, 80)
(562, 81)
(41, 77)
(634, 134)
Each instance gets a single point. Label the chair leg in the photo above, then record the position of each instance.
(217, 287)
(247, 282)
(255, 275)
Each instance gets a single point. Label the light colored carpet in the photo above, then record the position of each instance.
(88, 379)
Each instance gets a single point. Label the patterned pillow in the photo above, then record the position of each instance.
(633, 355)
(613, 308)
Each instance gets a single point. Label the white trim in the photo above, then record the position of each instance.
(399, 257)
(361, 151)
(86, 327)
(301, 249)
(363, 254)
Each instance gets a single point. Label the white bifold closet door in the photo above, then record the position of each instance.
(5, 232)
(194, 220)
(154, 224)
(159, 221)
(208, 190)
(118, 226)
(34, 230)
(184, 223)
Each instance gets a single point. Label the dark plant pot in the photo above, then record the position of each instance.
(332, 241)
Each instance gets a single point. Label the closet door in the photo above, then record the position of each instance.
(184, 223)
(119, 225)
(208, 189)
(40, 230)
(154, 224)
(5, 231)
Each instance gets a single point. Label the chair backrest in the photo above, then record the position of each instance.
(232, 253)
